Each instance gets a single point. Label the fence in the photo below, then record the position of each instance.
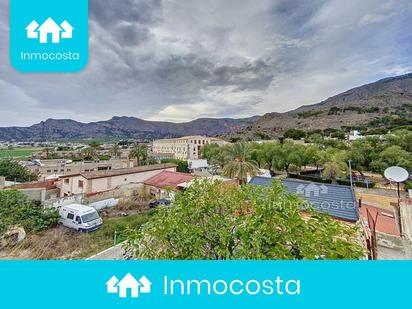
(342, 182)
(64, 201)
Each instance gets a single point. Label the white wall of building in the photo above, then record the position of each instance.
(185, 148)
(72, 185)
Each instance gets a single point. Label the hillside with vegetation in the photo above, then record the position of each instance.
(373, 108)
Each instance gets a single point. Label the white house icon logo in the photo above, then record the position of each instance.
(312, 189)
(128, 284)
(49, 28)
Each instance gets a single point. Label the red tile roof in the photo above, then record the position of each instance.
(168, 179)
(386, 222)
(50, 184)
(123, 171)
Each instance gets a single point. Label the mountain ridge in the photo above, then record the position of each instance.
(121, 127)
(386, 102)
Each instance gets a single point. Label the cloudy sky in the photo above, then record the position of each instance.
(178, 60)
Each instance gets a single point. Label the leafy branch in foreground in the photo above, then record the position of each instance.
(221, 222)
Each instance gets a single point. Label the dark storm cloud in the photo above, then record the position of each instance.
(254, 75)
(108, 12)
(182, 59)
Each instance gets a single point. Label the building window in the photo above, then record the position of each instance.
(81, 184)
(67, 181)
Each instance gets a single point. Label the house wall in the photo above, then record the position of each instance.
(152, 192)
(59, 167)
(124, 192)
(106, 183)
(72, 187)
(64, 201)
(406, 218)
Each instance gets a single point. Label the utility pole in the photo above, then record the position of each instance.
(350, 174)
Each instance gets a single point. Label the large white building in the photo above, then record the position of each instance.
(184, 148)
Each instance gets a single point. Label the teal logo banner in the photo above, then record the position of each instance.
(49, 35)
(205, 284)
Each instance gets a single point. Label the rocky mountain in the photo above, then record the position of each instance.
(385, 103)
(121, 127)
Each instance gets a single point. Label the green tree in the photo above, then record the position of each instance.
(262, 154)
(288, 157)
(316, 139)
(49, 153)
(241, 166)
(16, 209)
(140, 154)
(95, 145)
(213, 221)
(362, 153)
(182, 166)
(215, 154)
(334, 166)
(14, 171)
(90, 153)
(392, 156)
(115, 151)
(295, 134)
(402, 138)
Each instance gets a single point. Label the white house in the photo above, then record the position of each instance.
(94, 182)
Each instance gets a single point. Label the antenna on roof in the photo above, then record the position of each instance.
(397, 174)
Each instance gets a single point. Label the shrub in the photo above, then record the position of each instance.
(16, 209)
(13, 171)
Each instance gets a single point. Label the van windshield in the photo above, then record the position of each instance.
(90, 217)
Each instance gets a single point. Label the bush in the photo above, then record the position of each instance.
(182, 166)
(310, 178)
(295, 134)
(104, 158)
(359, 184)
(16, 209)
(408, 185)
(13, 171)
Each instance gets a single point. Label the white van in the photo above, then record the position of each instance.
(80, 217)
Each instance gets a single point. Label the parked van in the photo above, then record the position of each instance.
(80, 218)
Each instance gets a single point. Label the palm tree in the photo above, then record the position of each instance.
(115, 151)
(89, 153)
(49, 153)
(241, 166)
(139, 152)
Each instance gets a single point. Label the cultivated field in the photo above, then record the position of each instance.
(17, 153)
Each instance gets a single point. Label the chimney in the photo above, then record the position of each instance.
(2, 182)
